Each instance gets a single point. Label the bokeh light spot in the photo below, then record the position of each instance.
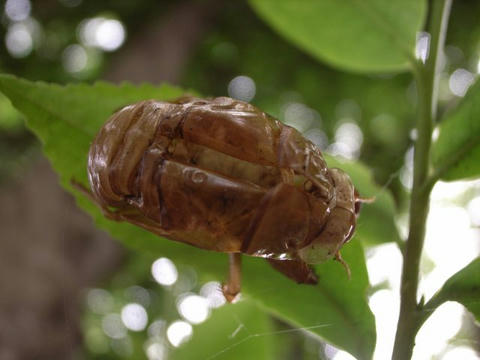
(212, 291)
(422, 46)
(103, 33)
(299, 116)
(242, 88)
(156, 328)
(460, 81)
(318, 137)
(18, 40)
(348, 141)
(134, 317)
(138, 294)
(179, 332)
(100, 301)
(193, 308)
(164, 271)
(406, 174)
(113, 327)
(74, 58)
(155, 351)
(17, 10)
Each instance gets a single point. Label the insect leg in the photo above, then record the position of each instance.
(232, 287)
(339, 258)
(296, 270)
(114, 215)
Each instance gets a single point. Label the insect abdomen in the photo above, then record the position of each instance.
(218, 174)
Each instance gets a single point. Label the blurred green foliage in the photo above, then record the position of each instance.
(66, 122)
(463, 287)
(456, 153)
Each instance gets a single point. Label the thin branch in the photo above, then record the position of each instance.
(427, 84)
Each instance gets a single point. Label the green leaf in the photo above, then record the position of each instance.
(376, 223)
(456, 153)
(464, 287)
(233, 332)
(354, 35)
(9, 118)
(336, 308)
(66, 120)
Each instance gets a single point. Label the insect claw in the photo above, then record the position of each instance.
(231, 296)
(339, 258)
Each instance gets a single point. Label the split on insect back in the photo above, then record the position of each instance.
(222, 175)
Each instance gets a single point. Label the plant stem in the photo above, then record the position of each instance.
(426, 80)
(429, 308)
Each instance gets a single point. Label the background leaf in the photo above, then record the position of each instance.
(464, 287)
(66, 119)
(233, 332)
(457, 149)
(356, 35)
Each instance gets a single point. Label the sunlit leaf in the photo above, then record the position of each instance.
(232, 332)
(355, 35)
(66, 120)
(456, 153)
(464, 287)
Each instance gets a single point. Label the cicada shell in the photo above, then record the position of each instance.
(222, 175)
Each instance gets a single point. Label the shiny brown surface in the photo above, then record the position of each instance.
(222, 175)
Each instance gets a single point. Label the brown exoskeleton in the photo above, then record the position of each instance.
(222, 175)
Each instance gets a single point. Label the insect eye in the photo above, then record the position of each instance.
(358, 205)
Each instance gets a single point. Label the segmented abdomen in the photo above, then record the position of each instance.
(218, 174)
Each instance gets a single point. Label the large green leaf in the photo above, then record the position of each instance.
(66, 119)
(335, 308)
(356, 35)
(376, 223)
(463, 287)
(239, 331)
(456, 153)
